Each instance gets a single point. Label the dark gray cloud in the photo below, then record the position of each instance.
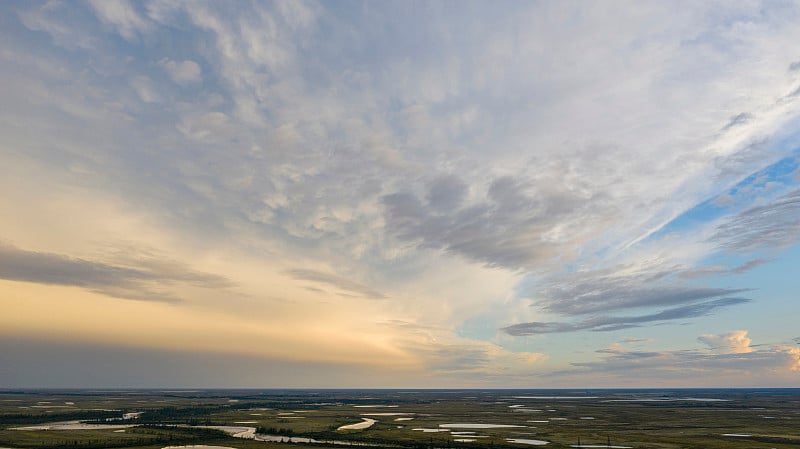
(446, 193)
(771, 226)
(604, 290)
(336, 282)
(48, 268)
(612, 323)
(736, 120)
(794, 67)
(141, 279)
(508, 228)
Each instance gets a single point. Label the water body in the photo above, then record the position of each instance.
(556, 397)
(601, 445)
(387, 414)
(198, 446)
(477, 426)
(358, 426)
(73, 425)
(376, 406)
(235, 431)
(527, 441)
(668, 400)
(249, 433)
(279, 438)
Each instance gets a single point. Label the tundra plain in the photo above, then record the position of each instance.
(469, 419)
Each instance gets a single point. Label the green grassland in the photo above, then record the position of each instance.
(639, 419)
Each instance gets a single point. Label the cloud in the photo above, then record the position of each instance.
(739, 164)
(623, 288)
(715, 270)
(336, 282)
(749, 265)
(50, 18)
(141, 279)
(637, 340)
(706, 271)
(736, 120)
(145, 89)
(446, 193)
(613, 323)
(475, 360)
(775, 365)
(122, 16)
(794, 355)
(182, 72)
(736, 342)
(517, 225)
(604, 299)
(771, 226)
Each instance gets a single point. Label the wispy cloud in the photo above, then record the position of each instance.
(143, 280)
(716, 270)
(609, 297)
(336, 282)
(615, 290)
(774, 225)
(123, 17)
(736, 120)
(613, 323)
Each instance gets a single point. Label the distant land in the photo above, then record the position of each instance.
(400, 418)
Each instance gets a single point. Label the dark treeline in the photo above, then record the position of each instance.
(30, 418)
(189, 415)
(150, 435)
(275, 431)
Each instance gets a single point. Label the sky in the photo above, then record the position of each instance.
(399, 194)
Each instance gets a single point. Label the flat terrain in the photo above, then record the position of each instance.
(406, 419)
